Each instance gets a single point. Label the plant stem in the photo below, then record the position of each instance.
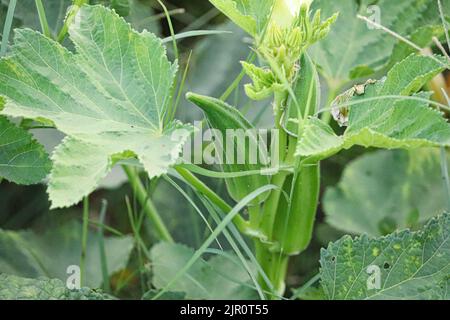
(70, 16)
(101, 244)
(43, 19)
(147, 204)
(242, 225)
(275, 267)
(7, 26)
(270, 206)
(279, 269)
(332, 94)
(84, 239)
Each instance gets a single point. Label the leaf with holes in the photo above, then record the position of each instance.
(402, 265)
(110, 97)
(18, 288)
(385, 123)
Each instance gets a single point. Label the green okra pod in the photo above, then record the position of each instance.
(234, 127)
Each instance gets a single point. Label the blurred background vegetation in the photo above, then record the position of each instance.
(214, 64)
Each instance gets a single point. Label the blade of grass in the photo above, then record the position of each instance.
(43, 19)
(399, 37)
(76, 4)
(226, 175)
(98, 224)
(137, 239)
(215, 214)
(219, 229)
(192, 203)
(195, 33)
(172, 32)
(198, 185)
(7, 27)
(160, 16)
(101, 244)
(297, 293)
(444, 23)
(173, 110)
(387, 97)
(84, 239)
(251, 57)
(202, 20)
(147, 204)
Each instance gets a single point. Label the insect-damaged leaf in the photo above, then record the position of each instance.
(109, 97)
(385, 123)
(354, 45)
(22, 159)
(402, 265)
(18, 288)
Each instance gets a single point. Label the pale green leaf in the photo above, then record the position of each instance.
(353, 44)
(48, 254)
(385, 123)
(250, 15)
(18, 288)
(221, 277)
(411, 265)
(22, 159)
(387, 190)
(110, 97)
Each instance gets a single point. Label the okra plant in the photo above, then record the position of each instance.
(336, 78)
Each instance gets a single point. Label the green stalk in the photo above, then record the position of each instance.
(43, 19)
(101, 244)
(271, 204)
(7, 26)
(147, 204)
(84, 239)
(70, 16)
(242, 225)
(332, 94)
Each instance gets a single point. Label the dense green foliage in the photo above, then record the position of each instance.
(95, 94)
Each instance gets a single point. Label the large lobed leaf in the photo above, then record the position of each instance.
(17, 288)
(110, 97)
(385, 190)
(32, 255)
(352, 49)
(385, 123)
(22, 159)
(221, 277)
(412, 265)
